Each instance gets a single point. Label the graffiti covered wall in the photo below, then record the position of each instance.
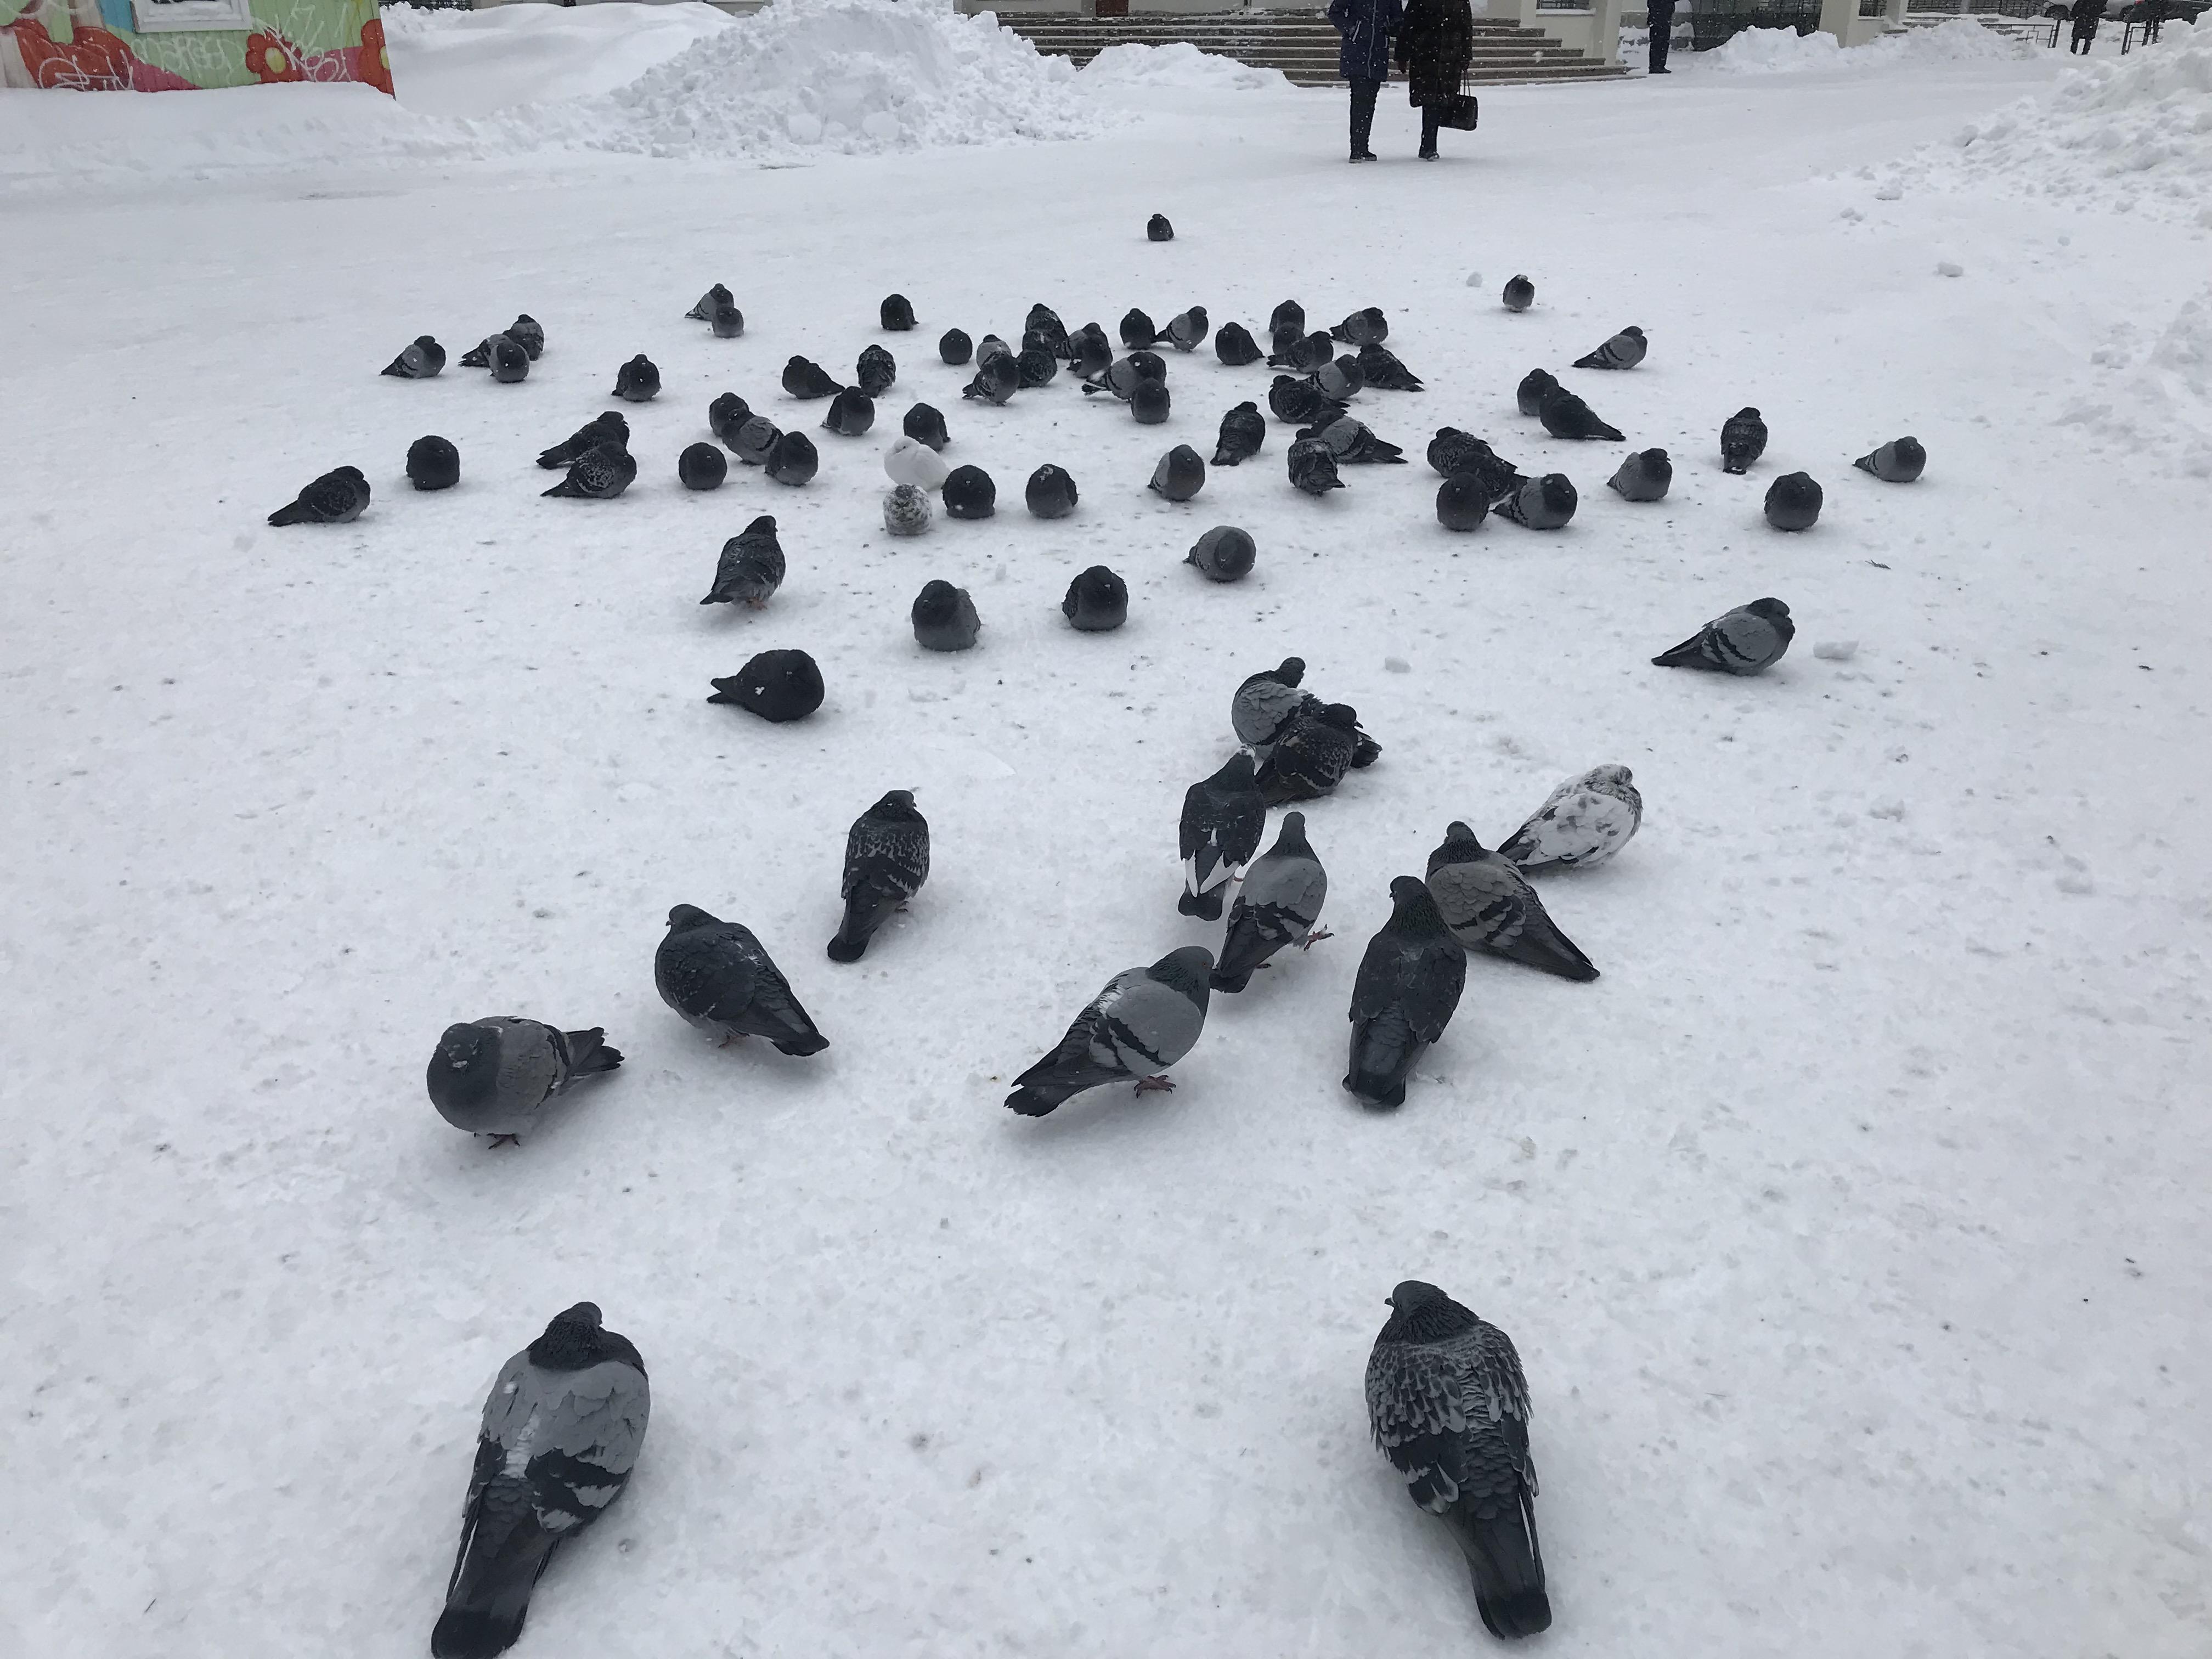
(129, 46)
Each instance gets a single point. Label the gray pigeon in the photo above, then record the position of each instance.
(1643, 477)
(724, 416)
(1234, 344)
(1623, 350)
(1384, 372)
(1149, 403)
(1312, 468)
(1266, 704)
(1288, 317)
(1536, 385)
(895, 313)
(609, 428)
(1180, 474)
(907, 510)
(560, 1436)
(599, 474)
(1244, 430)
(886, 861)
(750, 568)
(1489, 907)
(1545, 503)
(1408, 987)
(1747, 639)
(1304, 353)
(1355, 444)
(1050, 492)
(716, 975)
(1143, 1021)
(925, 425)
(1223, 819)
(1566, 416)
(1187, 331)
(1278, 905)
(337, 497)
(524, 332)
(1343, 379)
(1036, 367)
(1581, 825)
(717, 296)
(755, 441)
(997, 379)
(726, 321)
(1462, 501)
(493, 1077)
(1312, 757)
(1223, 553)
(1450, 1408)
(1090, 353)
(808, 380)
(419, 361)
(1097, 601)
(1120, 378)
(1743, 441)
(1365, 327)
(1301, 402)
(1455, 454)
(955, 348)
(637, 381)
(852, 412)
(792, 459)
(1900, 460)
(876, 372)
(1520, 293)
(1793, 501)
(505, 357)
(944, 618)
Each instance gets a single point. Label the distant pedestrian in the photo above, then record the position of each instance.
(1662, 17)
(2152, 14)
(1435, 47)
(1364, 59)
(2086, 15)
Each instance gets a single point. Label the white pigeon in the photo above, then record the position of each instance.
(910, 461)
(1584, 822)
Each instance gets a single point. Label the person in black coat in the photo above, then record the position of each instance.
(1434, 46)
(1662, 17)
(2086, 15)
(1364, 59)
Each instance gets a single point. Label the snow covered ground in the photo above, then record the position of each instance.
(1851, 1226)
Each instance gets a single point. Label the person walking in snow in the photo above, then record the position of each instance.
(1434, 46)
(2086, 15)
(1660, 16)
(1364, 59)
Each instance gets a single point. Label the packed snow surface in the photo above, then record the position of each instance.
(470, 63)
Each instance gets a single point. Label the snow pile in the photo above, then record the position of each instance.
(2154, 400)
(1784, 52)
(1181, 67)
(471, 63)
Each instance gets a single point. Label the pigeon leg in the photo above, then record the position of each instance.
(504, 1141)
(1315, 937)
(1161, 1084)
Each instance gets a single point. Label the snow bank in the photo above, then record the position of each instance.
(1181, 67)
(1784, 52)
(471, 63)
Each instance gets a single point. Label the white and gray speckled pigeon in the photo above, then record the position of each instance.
(1266, 702)
(493, 1077)
(886, 861)
(1489, 907)
(1223, 819)
(1448, 1405)
(560, 1434)
(1143, 1021)
(716, 975)
(750, 568)
(1746, 640)
(1623, 350)
(907, 510)
(1277, 905)
(1581, 825)
(1408, 987)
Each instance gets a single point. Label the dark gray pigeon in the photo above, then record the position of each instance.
(1623, 350)
(1044, 322)
(750, 568)
(1793, 501)
(524, 331)
(1137, 331)
(1288, 317)
(755, 440)
(924, 424)
(1223, 819)
(725, 415)
(433, 463)
(876, 372)
(1536, 385)
(991, 346)
(716, 975)
(1312, 468)
(1149, 403)
(1354, 443)
(1743, 441)
(1900, 460)
(599, 474)
(1364, 327)
(1050, 492)
(637, 381)
(1266, 704)
(1384, 372)
(1545, 503)
(1158, 229)
(1520, 293)
(886, 855)
(337, 497)
(1277, 905)
(493, 1077)
(852, 412)
(895, 313)
(1566, 416)
(1223, 553)
(1643, 477)
(718, 294)
(1301, 402)
(1090, 353)
(1747, 639)
(560, 1436)
(997, 379)
(1303, 352)
(1489, 907)
(1462, 501)
(1244, 431)
(1097, 601)
(1453, 452)
(507, 359)
(955, 348)
(1143, 1021)
(1234, 345)
(944, 618)
(1180, 474)
(702, 466)
(610, 428)
(1187, 330)
(1035, 365)
(726, 321)
(1342, 379)
(1450, 1408)
(1119, 379)
(1408, 987)
(777, 686)
(1311, 756)
(809, 381)
(970, 493)
(792, 459)
(1581, 825)
(418, 361)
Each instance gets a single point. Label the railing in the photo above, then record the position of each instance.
(1982, 7)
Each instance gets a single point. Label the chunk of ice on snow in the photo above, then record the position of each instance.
(1836, 650)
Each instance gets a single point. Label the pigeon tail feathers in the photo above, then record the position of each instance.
(1549, 950)
(588, 1052)
(1384, 1050)
(1691, 653)
(499, 1567)
(1507, 1566)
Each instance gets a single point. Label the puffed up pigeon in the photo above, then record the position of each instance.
(807, 380)
(1489, 907)
(419, 361)
(1312, 468)
(852, 412)
(1623, 350)
(910, 461)
(524, 331)
(1244, 430)
(1301, 402)
(755, 441)
(955, 348)
(1793, 501)
(717, 975)
(907, 510)
(1035, 367)
(1462, 501)
(337, 497)
(1312, 755)
(1354, 443)
(1120, 378)
(1223, 817)
(750, 568)
(1367, 326)
(886, 852)
(637, 381)
(1342, 379)
(1143, 1021)
(944, 618)
(1050, 492)
(702, 466)
(1149, 403)
(1407, 988)
(433, 463)
(1746, 640)
(969, 493)
(1384, 372)
(1581, 825)
(718, 294)
(1234, 345)
(599, 474)
(1089, 352)
(725, 320)
(1265, 703)
(609, 428)
(725, 414)
(1303, 352)
(1137, 330)
(493, 1077)
(1898, 461)
(1097, 601)
(507, 358)
(1223, 553)
(997, 379)
(1278, 905)
(1288, 317)
(1545, 503)
(1158, 229)
(1044, 322)
(1743, 441)
(1566, 416)
(1536, 385)
(793, 460)
(876, 372)
(1643, 477)
(1180, 474)
(895, 313)
(924, 424)
(776, 685)
(1520, 293)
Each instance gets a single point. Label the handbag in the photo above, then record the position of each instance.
(1460, 112)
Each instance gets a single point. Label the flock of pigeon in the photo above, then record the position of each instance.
(1447, 1400)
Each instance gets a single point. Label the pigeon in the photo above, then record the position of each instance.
(852, 412)
(1035, 339)
(1234, 345)
(955, 348)
(560, 1436)
(637, 381)
(887, 850)
(1158, 229)
(1097, 601)
(1050, 492)
(1545, 503)
(1384, 372)
(1793, 501)
(944, 618)
(895, 313)
(1149, 403)
(1180, 474)
(725, 414)
(750, 568)
(1364, 327)
(755, 441)
(1407, 988)
(1187, 330)
(1143, 1021)
(1301, 402)
(793, 461)
(1224, 553)
(506, 360)
(1462, 501)
(1536, 385)
(337, 497)
(726, 320)
(702, 466)
(991, 346)
(1089, 352)
(1746, 640)
(876, 371)
(1342, 379)
(808, 381)
(907, 510)
(1278, 905)
(1312, 755)
(716, 975)
(493, 1077)
(418, 361)
(969, 493)
(1044, 322)
(1566, 416)
(1489, 907)
(1244, 431)
(1900, 460)
(1520, 293)
(778, 686)
(1743, 441)
(1035, 367)
(599, 474)
(1137, 331)
(609, 428)
(1450, 1408)
(1581, 825)
(1312, 468)
(1288, 317)
(1623, 350)
(1304, 353)
(1353, 444)
(924, 424)
(1222, 816)
(524, 331)
(1120, 378)
(1643, 477)
(718, 294)
(997, 379)
(433, 463)
(1456, 453)
(1266, 704)
(910, 461)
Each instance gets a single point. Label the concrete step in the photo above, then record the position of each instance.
(1303, 47)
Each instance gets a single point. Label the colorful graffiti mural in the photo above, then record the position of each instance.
(97, 45)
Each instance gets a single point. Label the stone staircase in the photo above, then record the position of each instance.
(1301, 43)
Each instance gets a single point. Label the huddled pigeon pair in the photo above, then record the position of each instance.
(718, 311)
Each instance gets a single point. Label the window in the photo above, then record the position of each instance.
(153, 16)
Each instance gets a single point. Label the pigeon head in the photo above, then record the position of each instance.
(1237, 772)
(937, 603)
(1411, 909)
(1772, 610)
(1746, 413)
(1189, 970)
(1633, 332)
(1558, 492)
(1292, 836)
(1342, 715)
(764, 525)
(1292, 671)
(576, 1340)
(1422, 1313)
(690, 916)
(896, 802)
(466, 1069)
(1460, 847)
(1610, 776)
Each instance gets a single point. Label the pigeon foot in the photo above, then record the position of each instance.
(1156, 1085)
